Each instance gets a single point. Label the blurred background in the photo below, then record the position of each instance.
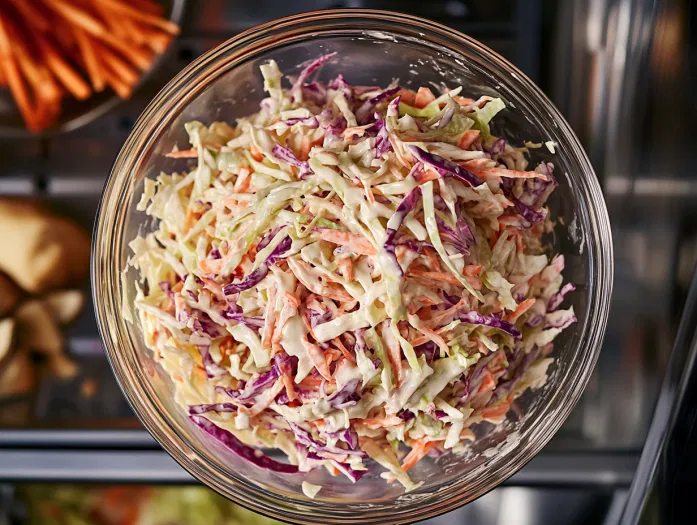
(621, 71)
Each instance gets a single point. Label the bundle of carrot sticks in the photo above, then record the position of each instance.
(50, 49)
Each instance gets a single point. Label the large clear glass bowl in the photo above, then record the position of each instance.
(373, 47)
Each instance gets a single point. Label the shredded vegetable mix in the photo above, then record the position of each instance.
(354, 275)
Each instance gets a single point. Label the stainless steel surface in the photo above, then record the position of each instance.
(653, 477)
(617, 77)
(155, 466)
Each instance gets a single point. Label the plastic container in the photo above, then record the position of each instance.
(374, 47)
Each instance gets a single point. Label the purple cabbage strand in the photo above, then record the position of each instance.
(246, 452)
(443, 166)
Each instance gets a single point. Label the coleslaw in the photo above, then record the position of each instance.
(353, 273)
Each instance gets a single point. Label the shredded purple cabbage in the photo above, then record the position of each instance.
(340, 84)
(246, 452)
(305, 73)
(460, 237)
(255, 323)
(335, 130)
(497, 147)
(525, 211)
(288, 156)
(212, 407)
(166, 287)
(395, 222)
(561, 323)
(305, 438)
(477, 318)
(348, 436)
(428, 350)
(212, 368)
(346, 397)
(505, 388)
(439, 414)
(447, 117)
(258, 275)
(444, 166)
(254, 387)
(310, 122)
(345, 468)
(534, 192)
(406, 415)
(363, 112)
(558, 298)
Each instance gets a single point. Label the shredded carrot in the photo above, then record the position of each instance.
(348, 355)
(317, 355)
(358, 244)
(472, 270)
(256, 154)
(345, 265)
(468, 138)
(311, 383)
(292, 299)
(436, 276)
(426, 176)
(183, 154)
(494, 238)
(290, 389)
(375, 423)
(433, 336)
(520, 310)
(488, 382)
(495, 414)
(191, 218)
(464, 101)
(418, 450)
(423, 98)
(407, 96)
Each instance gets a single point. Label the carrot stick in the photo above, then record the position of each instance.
(149, 6)
(32, 15)
(139, 57)
(90, 60)
(122, 89)
(134, 13)
(158, 42)
(114, 23)
(125, 72)
(64, 72)
(36, 74)
(14, 80)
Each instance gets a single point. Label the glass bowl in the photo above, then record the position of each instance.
(373, 48)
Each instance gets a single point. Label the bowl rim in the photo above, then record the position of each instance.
(107, 287)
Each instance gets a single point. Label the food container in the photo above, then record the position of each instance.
(77, 113)
(373, 48)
